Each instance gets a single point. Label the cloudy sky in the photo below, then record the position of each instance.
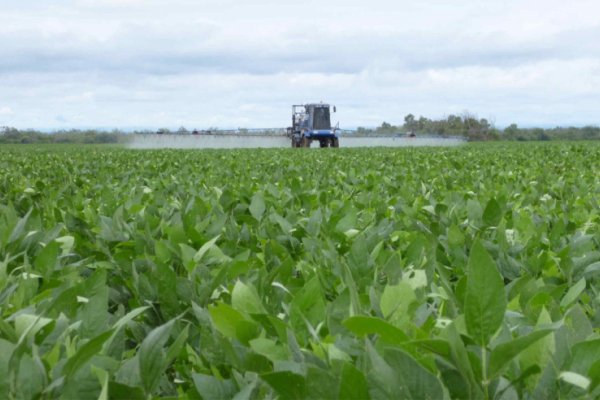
(226, 63)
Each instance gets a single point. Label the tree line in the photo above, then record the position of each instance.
(10, 135)
(477, 129)
(465, 125)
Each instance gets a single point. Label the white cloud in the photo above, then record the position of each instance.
(6, 111)
(231, 63)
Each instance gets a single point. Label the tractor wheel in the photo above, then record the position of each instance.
(323, 143)
(305, 142)
(335, 142)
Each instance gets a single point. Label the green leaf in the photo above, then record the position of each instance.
(177, 345)
(167, 291)
(30, 323)
(573, 293)
(47, 259)
(347, 222)
(117, 390)
(397, 304)
(102, 376)
(19, 228)
(152, 356)
(383, 382)
(124, 320)
(226, 319)
(211, 388)
(492, 213)
(503, 354)
(485, 299)
(584, 355)
(362, 325)
(455, 236)
(539, 353)
(268, 348)
(437, 346)
(308, 305)
(85, 353)
(460, 359)
(287, 384)
(575, 379)
(205, 247)
(245, 298)
(257, 206)
(417, 382)
(353, 384)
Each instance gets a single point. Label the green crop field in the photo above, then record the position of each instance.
(422, 273)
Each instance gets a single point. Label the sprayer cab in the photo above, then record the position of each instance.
(313, 122)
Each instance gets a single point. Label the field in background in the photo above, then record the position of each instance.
(463, 272)
(251, 141)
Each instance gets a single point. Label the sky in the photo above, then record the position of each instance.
(208, 63)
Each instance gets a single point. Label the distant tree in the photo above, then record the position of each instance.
(410, 123)
(511, 132)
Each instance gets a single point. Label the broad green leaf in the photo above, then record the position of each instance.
(152, 356)
(397, 303)
(177, 345)
(353, 384)
(308, 305)
(287, 384)
(592, 270)
(382, 379)
(362, 325)
(417, 382)
(30, 323)
(226, 319)
(167, 291)
(539, 353)
(347, 223)
(103, 377)
(460, 359)
(455, 236)
(47, 259)
(492, 213)
(594, 374)
(575, 379)
(437, 346)
(257, 206)
(19, 228)
(117, 390)
(283, 223)
(504, 353)
(573, 293)
(205, 247)
(85, 353)
(6, 349)
(130, 316)
(268, 348)
(584, 355)
(211, 388)
(485, 299)
(66, 243)
(245, 298)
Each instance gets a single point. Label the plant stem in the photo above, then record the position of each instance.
(484, 380)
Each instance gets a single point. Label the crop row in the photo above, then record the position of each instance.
(467, 272)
